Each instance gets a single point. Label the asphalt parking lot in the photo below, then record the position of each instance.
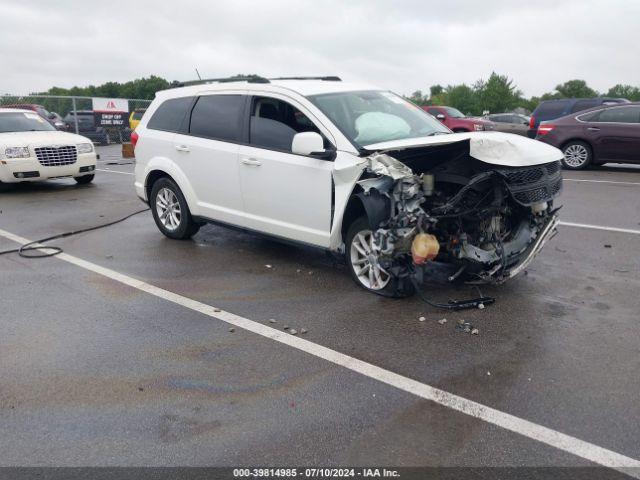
(98, 370)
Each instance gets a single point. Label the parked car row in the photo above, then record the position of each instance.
(589, 131)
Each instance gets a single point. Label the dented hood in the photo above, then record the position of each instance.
(496, 148)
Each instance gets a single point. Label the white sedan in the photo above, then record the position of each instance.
(33, 150)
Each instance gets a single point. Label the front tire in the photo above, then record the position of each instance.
(85, 179)
(362, 258)
(170, 210)
(577, 155)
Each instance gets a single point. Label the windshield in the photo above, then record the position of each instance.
(454, 112)
(23, 122)
(370, 117)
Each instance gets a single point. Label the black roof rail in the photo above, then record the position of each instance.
(248, 79)
(327, 78)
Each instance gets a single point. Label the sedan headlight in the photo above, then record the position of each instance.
(17, 152)
(85, 147)
(477, 127)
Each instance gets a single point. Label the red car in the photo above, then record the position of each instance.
(457, 121)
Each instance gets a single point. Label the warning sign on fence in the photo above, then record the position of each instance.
(111, 112)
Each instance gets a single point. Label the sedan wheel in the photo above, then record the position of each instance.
(577, 155)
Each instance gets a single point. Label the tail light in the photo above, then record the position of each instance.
(544, 129)
(532, 122)
(134, 138)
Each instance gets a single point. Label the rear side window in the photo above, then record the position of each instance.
(620, 115)
(218, 117)
(550, 110)
(584, 105)
(170, 115)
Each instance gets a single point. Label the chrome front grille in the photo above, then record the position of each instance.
(55, 156)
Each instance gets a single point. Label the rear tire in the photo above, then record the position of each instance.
(170, 210)
(362, 261)
(577, 155)
(83, 180)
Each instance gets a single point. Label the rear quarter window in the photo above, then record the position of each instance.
(170, 115)
(584, 105)
(550, 110)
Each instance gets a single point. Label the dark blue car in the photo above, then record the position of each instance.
(552, 109)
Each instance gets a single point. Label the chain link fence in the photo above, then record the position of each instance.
(77, 115)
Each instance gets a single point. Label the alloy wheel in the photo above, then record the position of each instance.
(364, 256)
(168, 209)
(576, 155)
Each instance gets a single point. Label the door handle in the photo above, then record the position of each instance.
(182, 148)
(593, 129)
(251, 161)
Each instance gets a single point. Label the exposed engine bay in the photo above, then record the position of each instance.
(485, 221)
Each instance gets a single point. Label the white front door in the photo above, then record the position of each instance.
(284, 194)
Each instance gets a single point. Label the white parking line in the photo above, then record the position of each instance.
(599, 181)
(600, 227)
(561, 441)
(114, 171)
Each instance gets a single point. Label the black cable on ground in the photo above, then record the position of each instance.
(479, 302)
(36, 245)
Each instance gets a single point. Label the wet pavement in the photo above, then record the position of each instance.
(93, 372)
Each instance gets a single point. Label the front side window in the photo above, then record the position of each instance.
(170, 115)
(275, 122)
(620, 115)
(218, 117)
(373, 116)
(454, 112)
(23, 122)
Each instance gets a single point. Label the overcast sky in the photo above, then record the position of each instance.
(404, 46)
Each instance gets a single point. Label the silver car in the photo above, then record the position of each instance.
(509, 122)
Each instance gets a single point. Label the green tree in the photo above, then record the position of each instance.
(624, 91)
(435, 90)
(418, 98)
(575, 89)
(462, 97)
(498, 94)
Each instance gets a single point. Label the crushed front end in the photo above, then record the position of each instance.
(484, 222)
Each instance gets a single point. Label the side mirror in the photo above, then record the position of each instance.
(307, 143)
(440, 117)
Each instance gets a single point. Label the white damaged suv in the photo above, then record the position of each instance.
(349, 168)
(31, 150)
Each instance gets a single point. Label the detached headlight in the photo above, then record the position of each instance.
(85, 147)
(477, 127)
(17, 152)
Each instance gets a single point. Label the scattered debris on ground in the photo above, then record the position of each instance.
(293, 331)
(475, 331)
(442, 321)
(303, 331)
(268, 266)
(286, 327)
(273, 320)
(217, 310)
(231, 330)
(421, 319)
(464, 326)
(606, 245)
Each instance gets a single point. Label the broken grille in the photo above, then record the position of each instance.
(537, 184)
(56, 156)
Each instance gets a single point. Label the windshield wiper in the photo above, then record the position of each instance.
(433, 134)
